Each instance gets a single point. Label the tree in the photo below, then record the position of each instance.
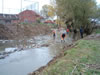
(97, 14)
(76, 11)
(51, 11)
(44, 11)
(48, 11)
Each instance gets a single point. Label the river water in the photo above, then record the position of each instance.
(25, 61)
(37, 53)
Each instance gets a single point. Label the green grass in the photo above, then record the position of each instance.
(77, 60)
(97, 31)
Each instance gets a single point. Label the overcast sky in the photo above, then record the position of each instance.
(13, 6)
(98, 2)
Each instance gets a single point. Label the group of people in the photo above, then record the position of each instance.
(63, 35)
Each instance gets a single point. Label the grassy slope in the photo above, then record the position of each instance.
(83, 59)
(97, 31)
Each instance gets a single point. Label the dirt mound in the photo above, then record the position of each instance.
(5, 33)
(18, 31)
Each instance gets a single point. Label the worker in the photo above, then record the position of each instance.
(63, 37)
(67, 30)
(54, 34)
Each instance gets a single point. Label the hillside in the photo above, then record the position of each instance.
(18, 31)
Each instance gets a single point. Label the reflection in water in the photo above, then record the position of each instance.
(24, 62)
(24, 43)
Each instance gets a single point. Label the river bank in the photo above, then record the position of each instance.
(26, 60)
(82, 58)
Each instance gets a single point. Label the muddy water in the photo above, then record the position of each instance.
(5, 44)
(23, 43)
(24, 62)
(28, 60)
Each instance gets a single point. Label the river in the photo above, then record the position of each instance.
(24, 62)
(28, 60)
(37, 53)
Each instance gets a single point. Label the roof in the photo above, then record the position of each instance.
(30, 12)
(48, 21)
(9, 16)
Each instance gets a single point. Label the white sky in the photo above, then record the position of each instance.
(13, 6)
(98, 2)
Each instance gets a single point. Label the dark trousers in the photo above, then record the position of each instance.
(54, 36)
(81, 35)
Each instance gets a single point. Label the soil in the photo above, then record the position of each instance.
(20, 31)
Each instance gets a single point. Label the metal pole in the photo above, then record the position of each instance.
(21, 5)
(38, 7)
(2, 5)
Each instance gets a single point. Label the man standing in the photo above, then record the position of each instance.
(81, 32)
(67, 30)
(54, 34)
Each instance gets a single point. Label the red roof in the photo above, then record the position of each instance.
(48, 21)
(29, 15)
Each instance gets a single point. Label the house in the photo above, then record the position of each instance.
(8, 18)
(29, 16)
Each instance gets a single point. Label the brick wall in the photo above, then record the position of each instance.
(28, 16)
